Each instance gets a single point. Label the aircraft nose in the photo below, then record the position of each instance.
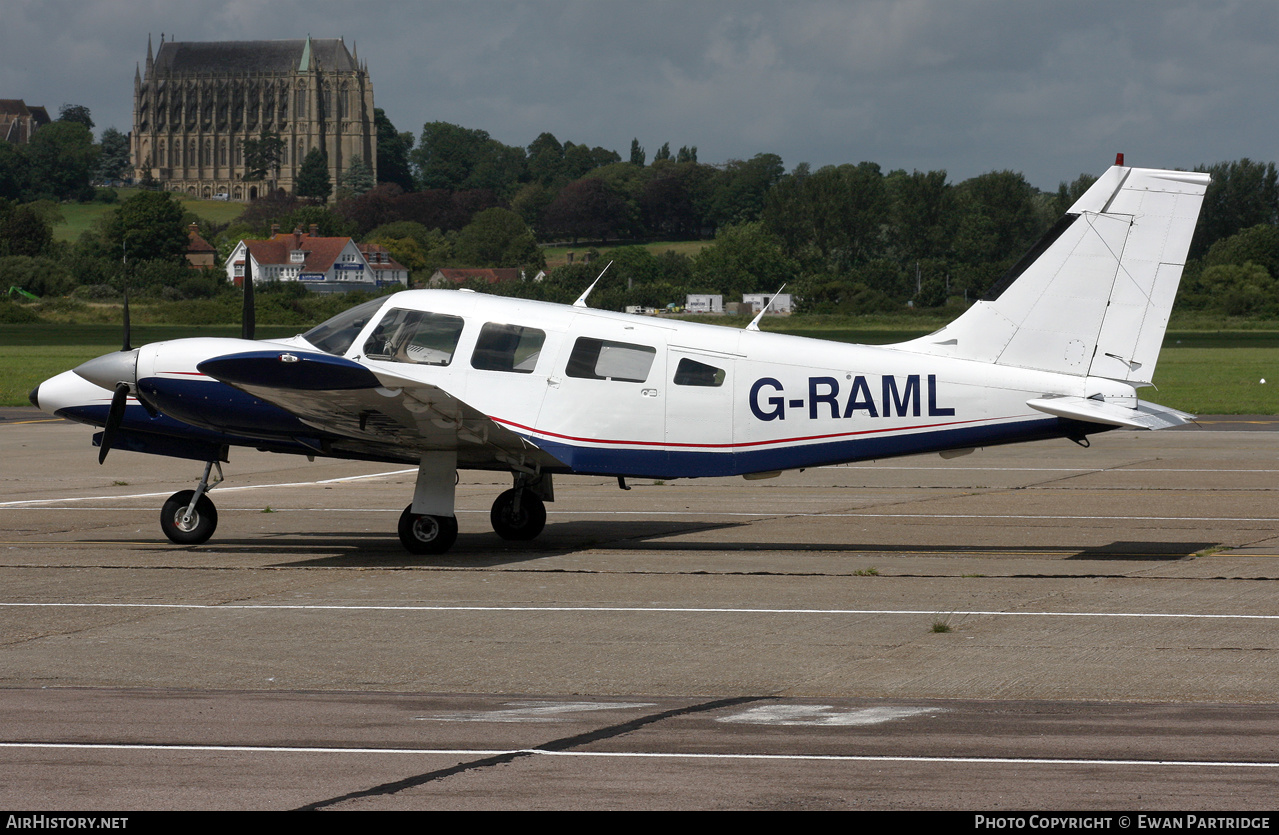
(109, 369)
(34, 397)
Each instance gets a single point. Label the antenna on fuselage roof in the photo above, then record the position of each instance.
(754, 325)
(581, 300)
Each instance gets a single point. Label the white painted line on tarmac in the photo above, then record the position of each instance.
(824, 715)
(331, 607)
(1116, 469)
(704, 514)
(532, 711)
(219, 490)
(655, 755)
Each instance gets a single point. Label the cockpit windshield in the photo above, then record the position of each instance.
(335, 335)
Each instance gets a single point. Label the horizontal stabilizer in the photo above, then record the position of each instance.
(1145, 416)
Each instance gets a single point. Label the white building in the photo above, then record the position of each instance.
(781, 302)
(703, 303)
(327, 265)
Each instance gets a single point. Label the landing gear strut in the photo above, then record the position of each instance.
(189, 517)
(421, 533)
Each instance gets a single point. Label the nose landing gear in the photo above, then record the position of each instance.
(189, 517)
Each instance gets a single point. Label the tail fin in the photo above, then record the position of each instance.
(1092, 298)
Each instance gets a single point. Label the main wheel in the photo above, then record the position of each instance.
(423, 534)
(201, 525)
(523, 524)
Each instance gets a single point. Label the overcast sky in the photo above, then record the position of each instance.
(1051, 89)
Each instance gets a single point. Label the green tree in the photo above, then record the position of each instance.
(113, 163)
(15, 172)
(922, 215)
(75, 113)
(62, 160)
(498, 238)
(22, 230)
(545, 159)
(456, 158)
(745, 258)
(262, 157)
(742, 186)
(392, 152)
(1241, 289)
(838, 212)
(999, 219)
(637, 153)
(1258, 245)
(313, 177)
(150, 224)
(356, 179)
(1242, 194)
(663, 153)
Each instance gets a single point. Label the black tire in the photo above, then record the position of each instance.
(202, 525)
(523, 525)
(423, 534)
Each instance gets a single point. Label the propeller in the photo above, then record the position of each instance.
(126, 346)
(114, 417)
(249, 315)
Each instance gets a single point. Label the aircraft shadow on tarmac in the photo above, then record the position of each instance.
(486, 549)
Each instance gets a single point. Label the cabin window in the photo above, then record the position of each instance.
(507, 348)
(599, 359)
(694, 373)
(415, 336)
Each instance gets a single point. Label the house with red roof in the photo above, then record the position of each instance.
(324, 265)
(200, 253)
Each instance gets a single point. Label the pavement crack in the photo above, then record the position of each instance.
(565, 744)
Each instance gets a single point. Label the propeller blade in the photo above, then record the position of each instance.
(114, 417)
(126, 346)
(249, 315)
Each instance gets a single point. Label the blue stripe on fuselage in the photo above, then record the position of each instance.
(678, 463)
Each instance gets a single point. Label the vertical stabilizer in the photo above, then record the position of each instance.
(1093, 296)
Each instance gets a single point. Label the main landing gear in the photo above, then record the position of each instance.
(422, 533)
(189, 517)
(518, 514)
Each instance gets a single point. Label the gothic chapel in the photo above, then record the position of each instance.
(198, 103)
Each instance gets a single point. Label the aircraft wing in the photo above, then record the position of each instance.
(375, 408)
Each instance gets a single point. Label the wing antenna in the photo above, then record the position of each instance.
(754, 325)
(581, 300)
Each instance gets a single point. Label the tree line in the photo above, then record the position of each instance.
(845, 238)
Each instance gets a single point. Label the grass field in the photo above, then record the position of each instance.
(32, 353)
(558, 255)
(1200, 371)
(79, 218)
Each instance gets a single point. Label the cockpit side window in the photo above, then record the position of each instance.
(694, 373)
(507, 348)
(335, 335)
(415, 336)
(599, 359)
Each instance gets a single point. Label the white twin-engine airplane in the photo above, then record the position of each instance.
(447, 380)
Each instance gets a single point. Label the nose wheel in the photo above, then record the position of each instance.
(422, 533)
(518, 514)
(186, 525)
